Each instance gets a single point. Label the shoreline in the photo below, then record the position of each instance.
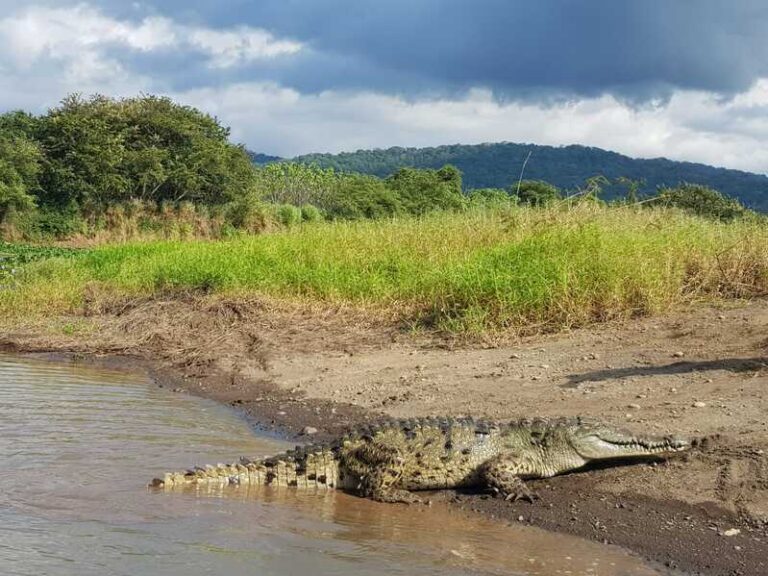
(312, 374)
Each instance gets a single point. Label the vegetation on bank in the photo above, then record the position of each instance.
(13, 257)
(169, 205)
(522, 268)
(105, 170)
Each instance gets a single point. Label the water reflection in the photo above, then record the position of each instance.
(77, 446)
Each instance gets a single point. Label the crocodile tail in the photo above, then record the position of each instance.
(313, 470)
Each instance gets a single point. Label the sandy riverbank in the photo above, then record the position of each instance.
(702, 373)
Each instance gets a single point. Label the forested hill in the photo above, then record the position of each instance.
(498, 166)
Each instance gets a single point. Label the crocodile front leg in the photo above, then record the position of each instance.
(376, 471)
(502, 476)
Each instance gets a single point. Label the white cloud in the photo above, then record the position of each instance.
(694, 126)
(231, 47)
(82, 32)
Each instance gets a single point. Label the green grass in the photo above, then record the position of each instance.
(524, 269)
(13, 257)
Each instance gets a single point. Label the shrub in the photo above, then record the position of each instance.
(247, 213)
(491, 198)
(51, 223)
(310, 213)
(288, 214)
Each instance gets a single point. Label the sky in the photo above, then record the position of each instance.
(683, 79)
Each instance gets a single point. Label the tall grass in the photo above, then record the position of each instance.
(525, 269)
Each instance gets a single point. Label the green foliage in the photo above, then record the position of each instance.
(702, 201)
(19, 169)
(99, 151)
(83, 152)
(115, 169)
(594, 187)
(247, 213)
(13, 258)
(56, 223)
(310, 213)
(567, 167)
(288, 214)
(297, 184)
(357, 196)
(491, 198)
(18, 124)
(422, 191)
(536, 192)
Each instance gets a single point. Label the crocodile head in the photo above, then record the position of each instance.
(594, 441)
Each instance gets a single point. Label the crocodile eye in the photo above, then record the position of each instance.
(481, 435)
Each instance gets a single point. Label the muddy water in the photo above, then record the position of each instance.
(77, 446)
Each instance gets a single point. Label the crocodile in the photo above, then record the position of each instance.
(389, 461)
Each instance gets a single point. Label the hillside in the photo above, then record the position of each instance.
(498, 165)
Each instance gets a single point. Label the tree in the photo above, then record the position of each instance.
(702, 201)
(100, 151)
(19, 123)
(358, 196)
(491, 197)
(83, 152)
(536, 192)
(19, 169)
(175, 152)
(422, 191)
(297, 184)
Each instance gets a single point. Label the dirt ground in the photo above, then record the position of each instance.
(702, 372)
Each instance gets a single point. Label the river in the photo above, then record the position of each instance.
(78, 445)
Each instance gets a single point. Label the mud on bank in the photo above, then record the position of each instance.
(701, 373)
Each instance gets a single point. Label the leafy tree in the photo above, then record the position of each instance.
(100, 151)
(19, 169)
(702, 201)
(19, 124)
(176, 152)
(296, 184)
(83, 152)
(491, 197)
(422, 191)
(357, 196)
(536, 192)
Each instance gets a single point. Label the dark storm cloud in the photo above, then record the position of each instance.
(635, 48)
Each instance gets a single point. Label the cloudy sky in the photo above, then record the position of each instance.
(685, 79)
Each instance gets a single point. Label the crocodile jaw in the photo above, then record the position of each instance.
(606, 444)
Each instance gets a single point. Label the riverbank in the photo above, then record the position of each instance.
(701, 371)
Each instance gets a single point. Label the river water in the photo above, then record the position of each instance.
(78, 445)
